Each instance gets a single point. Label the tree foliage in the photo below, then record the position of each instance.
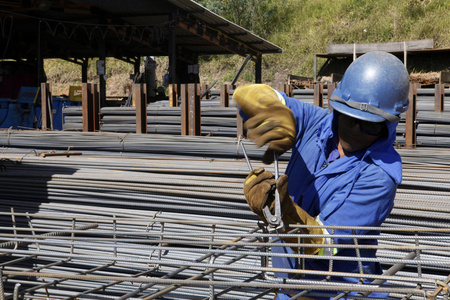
(262, 17)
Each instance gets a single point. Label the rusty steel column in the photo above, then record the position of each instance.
(318, 94)
(204, 88)
(241, 132)
(287, 89)
(96, 107)
(141, 107)
(225, 95)
(87, 103)
(330, 89)
(190, 109)
(194, 109)
(439, 94)
(258, 68)
(173, 95)
(411, 114)
(184, 109)
(46, 106)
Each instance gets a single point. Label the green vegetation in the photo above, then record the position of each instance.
(305, 27)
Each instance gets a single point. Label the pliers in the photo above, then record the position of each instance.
(274, 220)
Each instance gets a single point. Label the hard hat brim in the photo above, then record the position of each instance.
(355, 113)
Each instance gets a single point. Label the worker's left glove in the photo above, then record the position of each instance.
(259, 190)
(271, 122)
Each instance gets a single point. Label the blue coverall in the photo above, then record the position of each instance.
(354, 190)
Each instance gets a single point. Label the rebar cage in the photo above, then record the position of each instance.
(165, 257)
(119, 222)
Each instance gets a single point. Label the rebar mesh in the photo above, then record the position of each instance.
(120, 222)
(72, 257)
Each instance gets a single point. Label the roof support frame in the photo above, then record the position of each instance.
(71, 30)
(219, 39)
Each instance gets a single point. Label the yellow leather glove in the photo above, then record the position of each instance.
(293, 214)
(259, 190)
(271, 122)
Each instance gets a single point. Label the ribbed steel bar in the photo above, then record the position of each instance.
(432, 127)
(161, 118)
(156, 211)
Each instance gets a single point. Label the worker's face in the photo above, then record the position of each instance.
(356, 134)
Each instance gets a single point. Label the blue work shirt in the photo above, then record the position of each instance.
(355, 190)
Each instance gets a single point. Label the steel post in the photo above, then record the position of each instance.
(411, 115)
(87, 107)
(141, 107)
(439, 94)
(318, 94)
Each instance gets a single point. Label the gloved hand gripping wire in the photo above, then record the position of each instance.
(274, 220)
(263, 199)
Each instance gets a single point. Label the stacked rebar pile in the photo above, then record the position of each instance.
(152, 216)
(432, 127)
(161, 119)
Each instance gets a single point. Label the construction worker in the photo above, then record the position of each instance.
(343, 170)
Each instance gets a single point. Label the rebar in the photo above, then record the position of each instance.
(172, 221)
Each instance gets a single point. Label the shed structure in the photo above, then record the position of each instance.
(76, 30)
(410, 52)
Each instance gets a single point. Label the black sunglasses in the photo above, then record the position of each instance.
(367, 127)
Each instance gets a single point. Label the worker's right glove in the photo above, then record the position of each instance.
(259, 190)
(271, 122)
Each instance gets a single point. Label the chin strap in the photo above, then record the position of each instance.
(369, 108)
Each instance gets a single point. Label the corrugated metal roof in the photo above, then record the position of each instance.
(231, 28)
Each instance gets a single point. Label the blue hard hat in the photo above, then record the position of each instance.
(374, 88)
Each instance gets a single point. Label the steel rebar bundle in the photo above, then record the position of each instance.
(161, 119)
(114, 216)
(432, 127)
